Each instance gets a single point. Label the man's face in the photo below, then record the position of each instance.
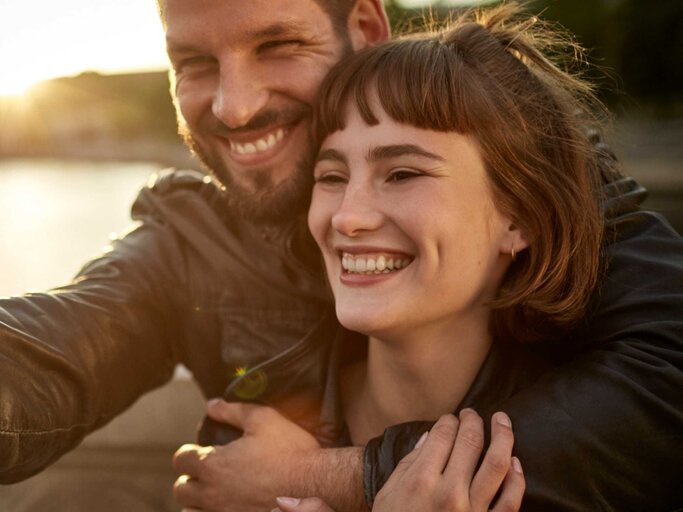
(247, 73)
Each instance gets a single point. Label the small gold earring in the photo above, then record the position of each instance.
(513, 254)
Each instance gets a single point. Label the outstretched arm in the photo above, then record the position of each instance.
(73, 358)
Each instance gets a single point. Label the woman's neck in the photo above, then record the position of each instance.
(415, 376)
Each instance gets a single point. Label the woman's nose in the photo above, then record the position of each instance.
(359, 212)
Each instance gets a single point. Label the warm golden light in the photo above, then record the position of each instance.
(72, 36)
(15, 87)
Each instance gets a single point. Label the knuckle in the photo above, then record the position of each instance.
(444, 430)
(179, 488)
(261, 414)
(506, 506)
(451, 501)
(186, 448)
(421, 483)
(497, 464)
(473, 439)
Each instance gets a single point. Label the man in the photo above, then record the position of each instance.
(225, 279)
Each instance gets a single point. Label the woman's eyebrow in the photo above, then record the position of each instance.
(333, 155)
(394, 150)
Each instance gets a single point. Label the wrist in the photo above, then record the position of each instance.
(333, 474)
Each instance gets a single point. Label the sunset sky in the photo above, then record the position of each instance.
(41, 40)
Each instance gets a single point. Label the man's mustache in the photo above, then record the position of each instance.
(261, 120)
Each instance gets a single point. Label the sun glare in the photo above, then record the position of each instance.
(16, 87)
(70, 37)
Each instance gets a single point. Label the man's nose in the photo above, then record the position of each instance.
(240, 95)
(359, 212)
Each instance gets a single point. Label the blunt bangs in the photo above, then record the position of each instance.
(411, 79)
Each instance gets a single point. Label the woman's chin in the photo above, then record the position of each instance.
(363, 322)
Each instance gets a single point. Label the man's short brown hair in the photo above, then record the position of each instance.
(337, 10)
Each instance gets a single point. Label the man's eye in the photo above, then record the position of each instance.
(193, 63)
(403, 174)
(280, 43)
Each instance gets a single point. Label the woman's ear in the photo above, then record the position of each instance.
(514, 241)
(368, 24)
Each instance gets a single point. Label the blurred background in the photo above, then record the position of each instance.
(86, 118)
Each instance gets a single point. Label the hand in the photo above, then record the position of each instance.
(247, 474)
(305, 505)
(439, 474)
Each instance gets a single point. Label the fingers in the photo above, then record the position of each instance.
(234, 413)
(188, 458)
(511, 495)
(305, 505)
(496, 463)
(436, 450)
(186, 493)
(466, 452)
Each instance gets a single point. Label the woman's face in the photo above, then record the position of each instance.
(407, 225)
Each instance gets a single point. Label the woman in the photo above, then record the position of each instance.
(455, 204)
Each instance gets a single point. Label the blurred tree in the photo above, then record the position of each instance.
(636, 45)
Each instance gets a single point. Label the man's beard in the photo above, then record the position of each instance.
(270, 203)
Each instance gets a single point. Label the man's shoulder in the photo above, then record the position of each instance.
(168, 181)
(174, 189)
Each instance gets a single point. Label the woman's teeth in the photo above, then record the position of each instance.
(373, 264)
(259, 145)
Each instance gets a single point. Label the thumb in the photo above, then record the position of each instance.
(233, 413)
(306, 505)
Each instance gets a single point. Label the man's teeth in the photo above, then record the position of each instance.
(373, 264)
(259, 145)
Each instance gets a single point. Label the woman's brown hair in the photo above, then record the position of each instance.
(500, 76)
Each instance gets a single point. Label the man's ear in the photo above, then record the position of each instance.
(368, 24)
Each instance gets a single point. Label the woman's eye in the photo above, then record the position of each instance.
(330, 178)
(403, 174)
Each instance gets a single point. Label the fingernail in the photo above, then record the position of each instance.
(421, 441)
(503, 419)
(516, 465)
(466, 410)
(213, 402)
(284, 500)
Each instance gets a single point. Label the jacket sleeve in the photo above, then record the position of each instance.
(74, 357)
(605, 430)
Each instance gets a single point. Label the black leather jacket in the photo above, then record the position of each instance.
(189, 284)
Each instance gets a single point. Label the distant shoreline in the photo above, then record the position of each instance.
(167, 155)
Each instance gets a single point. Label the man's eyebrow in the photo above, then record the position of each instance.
(287, 28)
(392, 151)
(333, 155)
(280, 29)
(173, 46)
